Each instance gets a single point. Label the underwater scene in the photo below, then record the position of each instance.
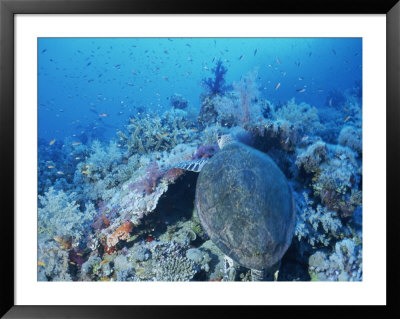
(199, 159)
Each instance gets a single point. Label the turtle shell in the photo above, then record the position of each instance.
(246, 206)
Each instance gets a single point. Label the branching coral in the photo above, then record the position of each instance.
(318, 226)
(52, 262)
(337, 183)
(344, 264)
(310, 159)
(147, 134)
(248, 93)
(60, 216)
(351, 137)
(216, 85)
(303, 117)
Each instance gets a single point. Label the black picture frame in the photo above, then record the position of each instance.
(8, 8)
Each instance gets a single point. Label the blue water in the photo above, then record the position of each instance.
(80, 78)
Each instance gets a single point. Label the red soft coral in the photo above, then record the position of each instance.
(205, 151)
(148, 184)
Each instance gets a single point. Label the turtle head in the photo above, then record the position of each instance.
(224, 140)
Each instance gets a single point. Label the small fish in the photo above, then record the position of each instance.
(118, 66)
(278, 61)
(104, 262)
(79, 254)
(76, 143)
(304, 138)
(283, 73)
(277, 86)
(287, 140)
(165, 78)
(347, 118)
(72, 263)
(87, 166)
(103, 114)
(52, 142)
(60, 173)
(106, 278)
(301, 78)
(346, 109)
(85, 172)
(301, 90)
(41, 263)
(330, 102)
(194, 129)
(50, 166)
(165, 52)
(240, 57)
(334, 51)
(188, 45)
(64, 244)
(89, 63)
(165, 134)
(255, 52)
(44, 50)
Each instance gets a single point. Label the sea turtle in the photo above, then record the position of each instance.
(245, 205)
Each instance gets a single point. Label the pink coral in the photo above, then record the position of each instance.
(148, 184)
(205, 151)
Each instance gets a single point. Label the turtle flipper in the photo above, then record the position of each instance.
(194, 166)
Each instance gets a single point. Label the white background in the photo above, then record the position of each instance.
(372, 28)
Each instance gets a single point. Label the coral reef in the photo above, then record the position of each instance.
(147, 134)
(178, 102)
(317, 226)
(344, 264)
(60, 216)
(351, 137)
(116, 211)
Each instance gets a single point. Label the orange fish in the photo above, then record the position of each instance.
(85, 172)
(41, 263)
(52, 142)
(64, 244)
